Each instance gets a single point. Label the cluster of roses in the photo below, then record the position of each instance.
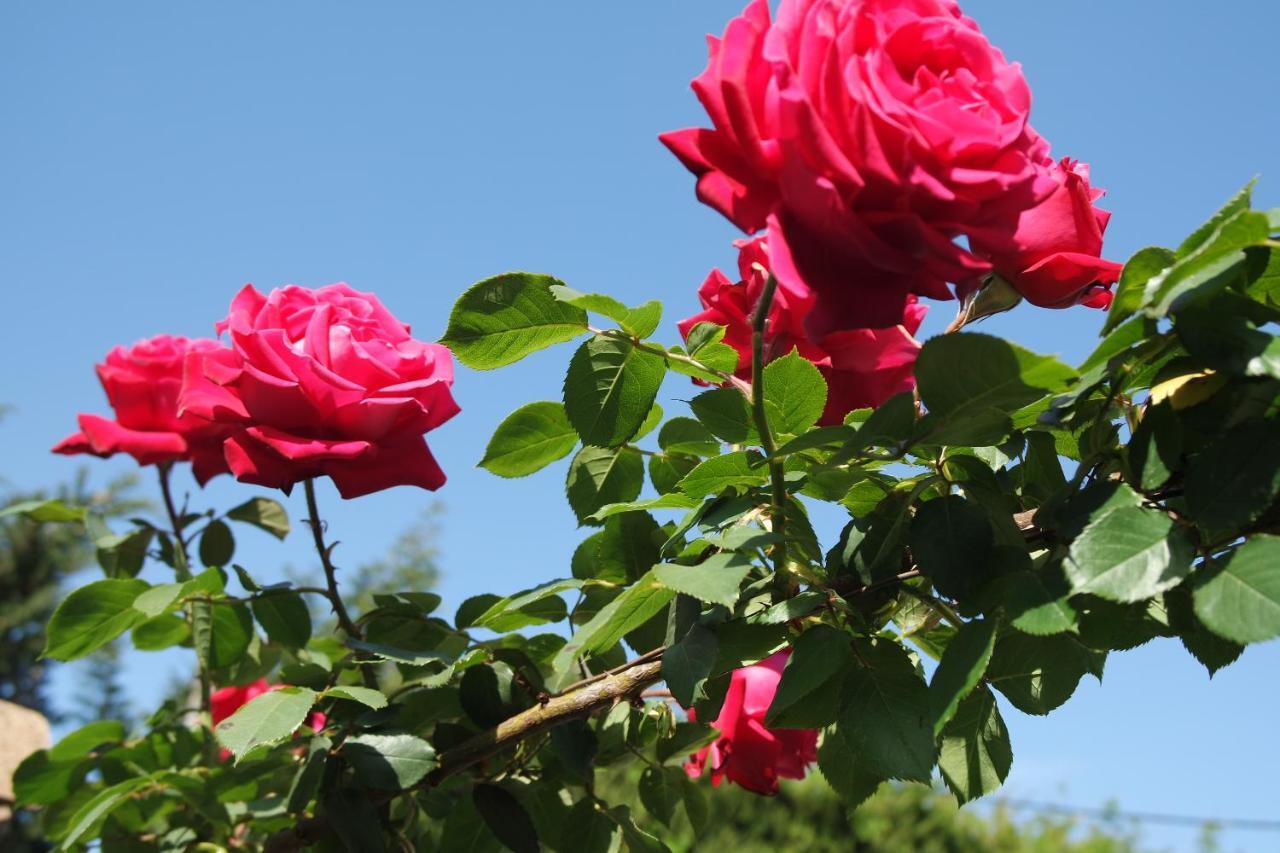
(860, 139)
(322, 382)
(857, 140)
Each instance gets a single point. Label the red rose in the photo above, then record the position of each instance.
(866, 135)
(746, 752)
(323, 382)
(862, 367)
(1054, 259)
(142, 384)
(733, 306)
(225, 701)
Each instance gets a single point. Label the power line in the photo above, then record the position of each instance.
(1252, 824)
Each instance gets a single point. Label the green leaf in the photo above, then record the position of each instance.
(635, 606)
(981, 380)
(715, 580)
(588, 830)
(488, 694)
(1038, 674)
(688, 436)
(1129, 554)
(961, 668)
(41, 781)
(264, 514)
(519, 610)
(686, 665)
(285, 618)
(953, 541)
(641, 322)
(77, 744)
(666, 472)
(1231, 481)
(161, 632)
(1130, 294)
(740, 468)
(1228, 341)
(265, 719)
(159, 599)
(389, 762)
(797, 392)
(1241, 601)
(811, 680)
(51, 511)
(661, 791)
(506, 818)
(1036, 601)
(674, 500)
(610, 389)
(846, 768)
(92, 616)
(599, 476)
(976, 755)
(123, 555)
(1192, 281)
(394, 653)
(1212, 651)
(622, 552)
(465, 831)
(90, 815)
(1205, 234)
(306, 783)
(884, 713)
(505, 318)
(217, 545)
(726, 413)
(364, 695)
(231, 632)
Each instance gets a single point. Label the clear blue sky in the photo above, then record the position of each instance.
(155, 156)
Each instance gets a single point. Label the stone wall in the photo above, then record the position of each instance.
(22, 732)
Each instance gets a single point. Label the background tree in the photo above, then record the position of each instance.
(35, 559)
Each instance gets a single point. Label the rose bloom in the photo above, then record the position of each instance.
(225, 701)
(866, 136)
(746, 752)
(1054, 258)
(142, 384)
(862, 367)
(323, 382)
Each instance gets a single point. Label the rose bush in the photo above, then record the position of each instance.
(143, 382)
(745, 751)
(323, 382)
(862, 367)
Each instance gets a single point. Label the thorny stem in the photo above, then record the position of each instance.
(778, 489)
(183, 570)
(331, 576)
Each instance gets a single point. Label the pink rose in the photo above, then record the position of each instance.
(225, 701)
(142, 384)
(1054, 259)
(866, 135)
(746, 752)
(862, 367)
(323, 382)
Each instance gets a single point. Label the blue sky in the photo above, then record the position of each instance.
(156, 156)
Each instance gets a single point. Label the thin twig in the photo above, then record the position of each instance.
(182, 569)
(777, 488)
(350, 628)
